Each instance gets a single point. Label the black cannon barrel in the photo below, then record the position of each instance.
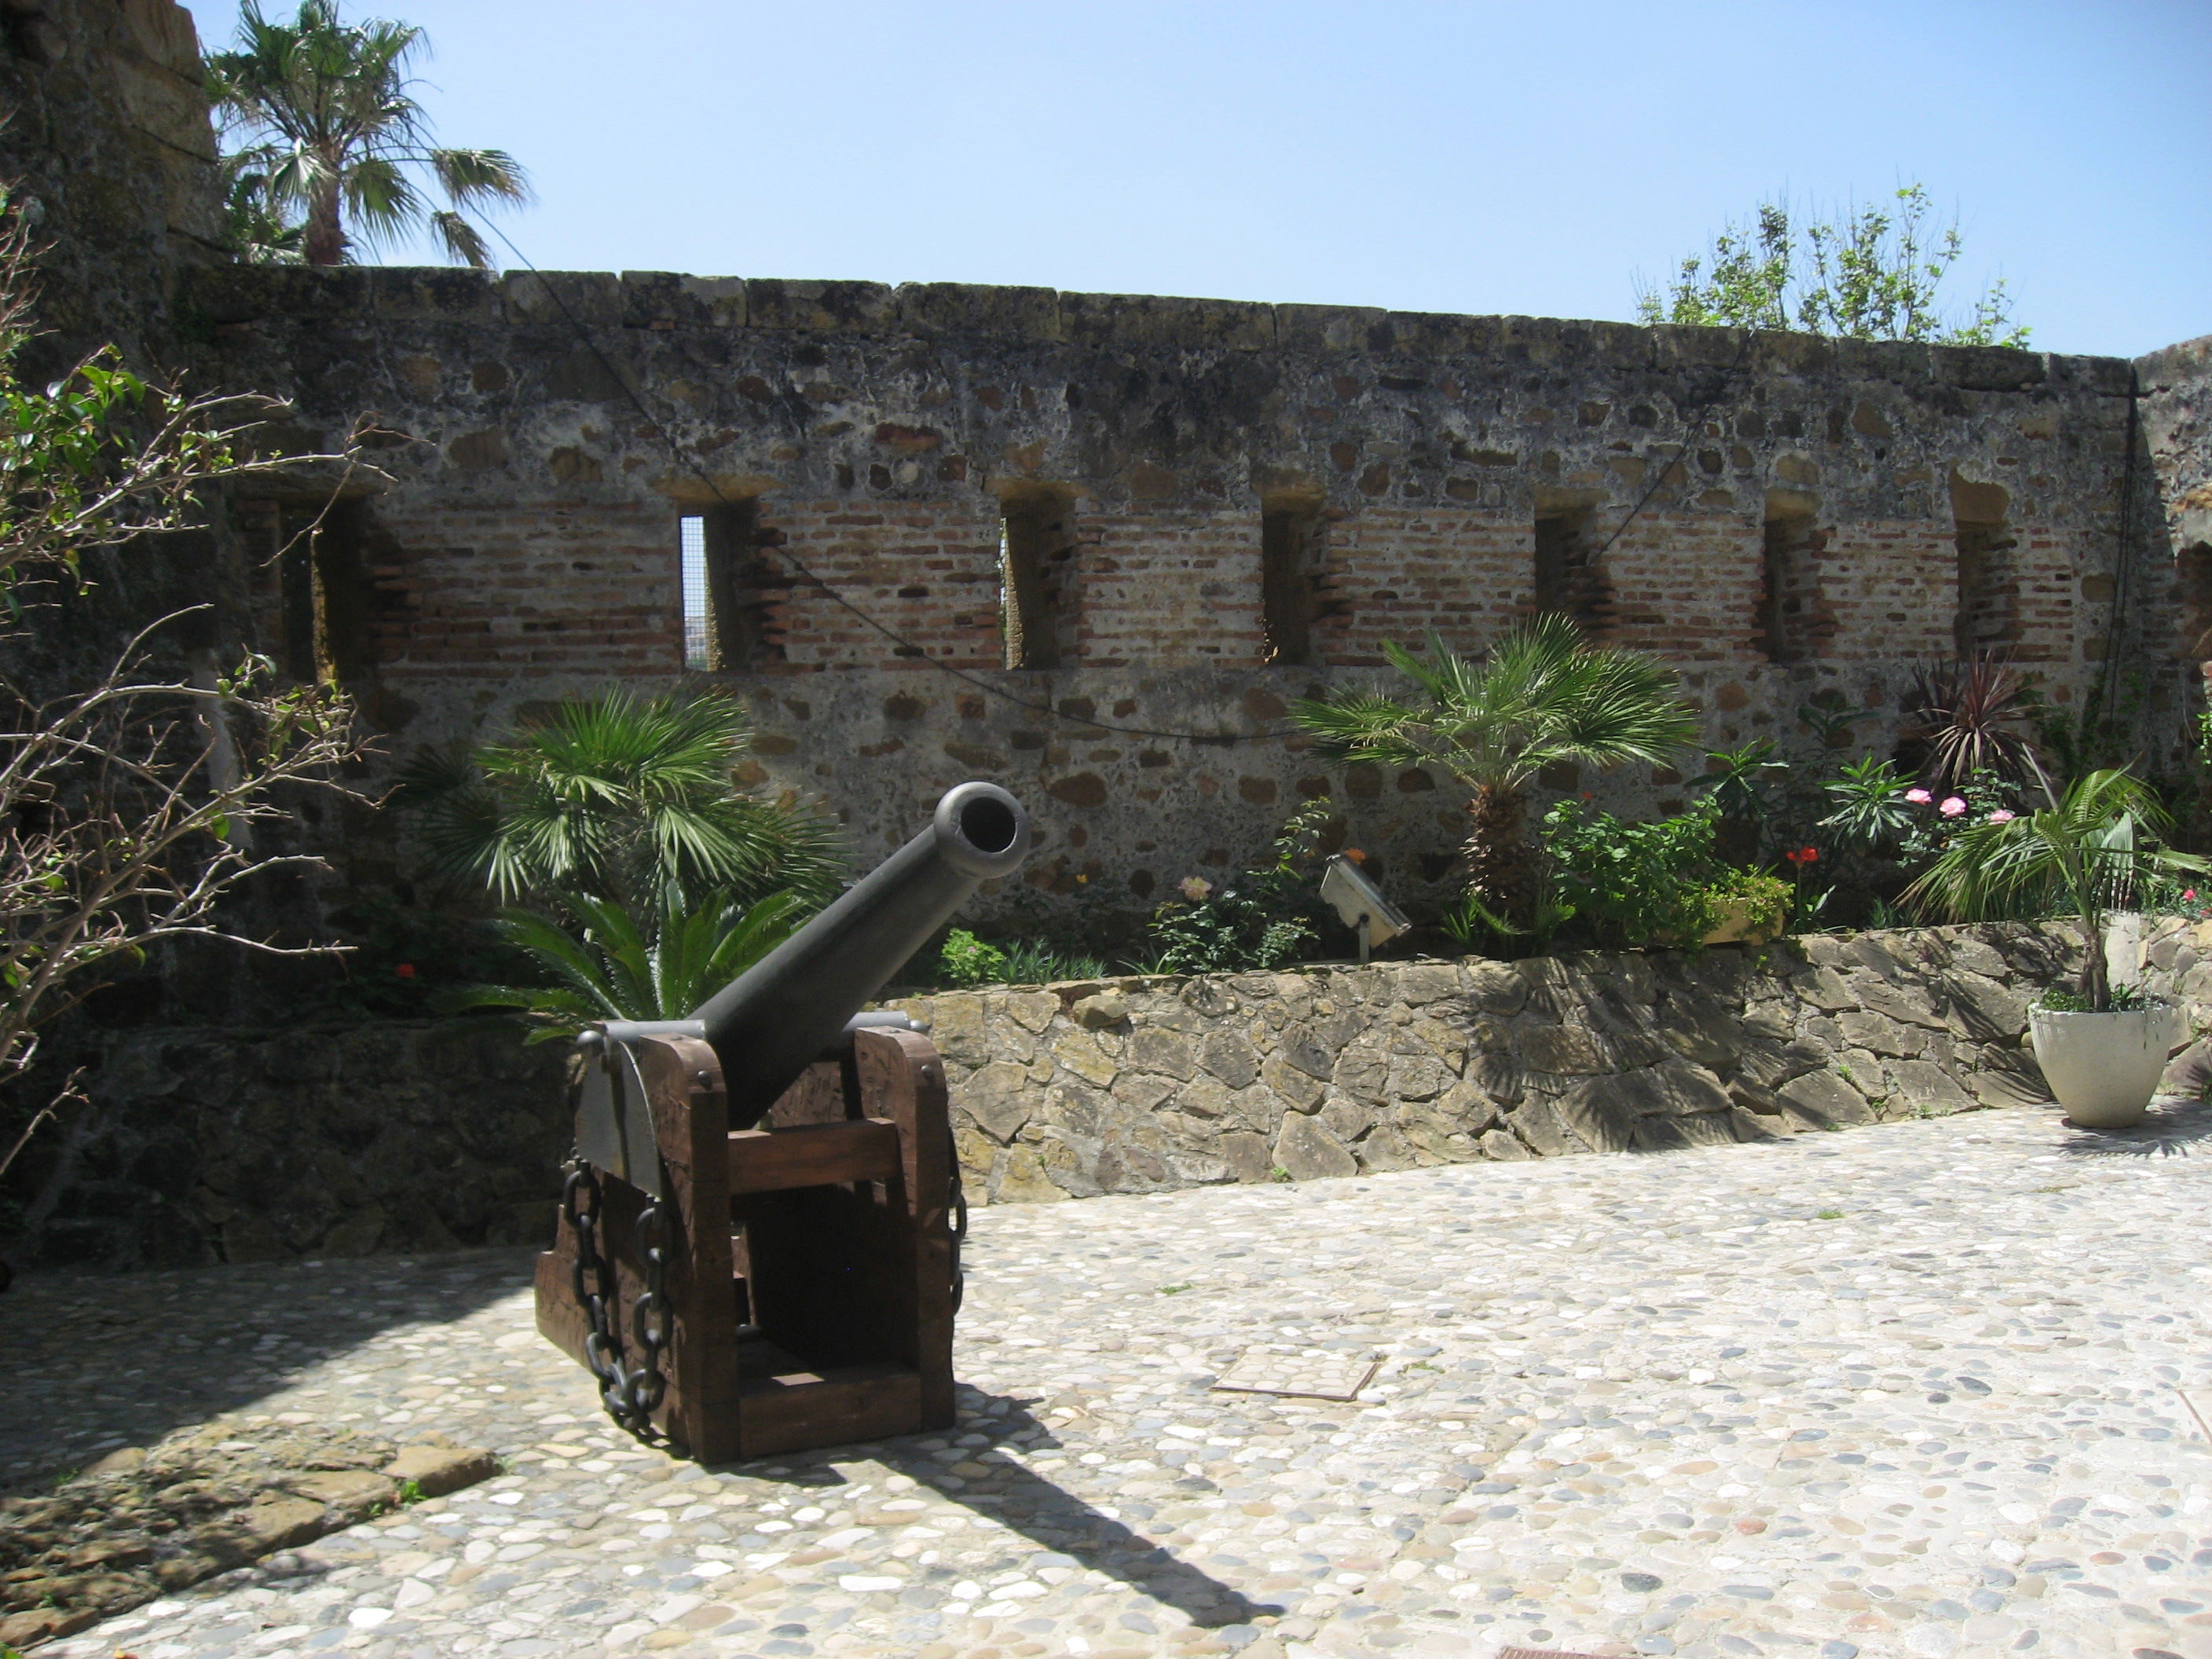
(776, 1019)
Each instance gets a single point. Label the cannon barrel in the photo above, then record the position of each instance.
(779, 1016)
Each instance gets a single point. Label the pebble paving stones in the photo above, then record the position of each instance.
(1912, 1389)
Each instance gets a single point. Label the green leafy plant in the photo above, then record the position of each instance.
(617, 796)
(2097, 838)
(1634, 884)
(964, 960)
(1264, 920)
(330, 130)
(140, 800)
(1870, 809)
(1745, 785)
(1542, 694)
(1872, 273)
(605, 965)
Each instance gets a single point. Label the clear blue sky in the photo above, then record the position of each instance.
(1475, 157)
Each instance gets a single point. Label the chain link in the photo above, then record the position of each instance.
(959, 1208)
(630, 1396)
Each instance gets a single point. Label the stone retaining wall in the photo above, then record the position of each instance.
(1140, 1085)
(206, 1146)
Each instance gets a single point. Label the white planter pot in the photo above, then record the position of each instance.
(2104, 1068)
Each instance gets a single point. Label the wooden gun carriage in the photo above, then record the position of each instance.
(758, 1246)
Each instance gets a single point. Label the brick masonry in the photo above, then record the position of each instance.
(541, 435)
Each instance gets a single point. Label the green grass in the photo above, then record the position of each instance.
(1176, 1290)
(1828, 1215)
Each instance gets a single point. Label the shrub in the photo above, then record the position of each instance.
(1634, 884)
(1266, 918)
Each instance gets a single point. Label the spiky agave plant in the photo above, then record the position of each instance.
(1541, 694)
(2084, 850)
(1974, 717)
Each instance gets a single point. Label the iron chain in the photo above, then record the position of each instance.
(630, 1394)
(959, 1207)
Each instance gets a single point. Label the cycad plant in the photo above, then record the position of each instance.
(2087, 850)
(332, 132)
(1542, 694)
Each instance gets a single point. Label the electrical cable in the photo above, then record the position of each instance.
(919, 653)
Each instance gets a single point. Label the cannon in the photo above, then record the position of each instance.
(759, 1243)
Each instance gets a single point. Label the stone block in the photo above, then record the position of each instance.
(1757, 1126)
(1419, 1076)
(1100, 1009)
(2010, 1080)
(1347, 1116)
(1300, 1090)
(1559, 1048)
(1079, 1052)
(1501, 1147)
(1824, 988)
(437, 1470)
(820, 307)
(1020, 1178)
(998, 1099)
(1498, 1077)
(1495, 988)
(1927, 1086)
(1230, 1056)
(1385, 1150)
(1364, 1068)
(1771, 1064)
(971, 310)
(1543, 1127)
(1879, 1035)
(1424, 983)
(1169, 1052)
(1824, 1098)
(1032, 1010)
(957, 1028)
(1306, 1151)
(1248, 1157)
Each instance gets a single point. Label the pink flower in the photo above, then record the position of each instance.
(2000, 817)
(1195, 888)
(1918, 797)
(2190, 895)
(1952, 806)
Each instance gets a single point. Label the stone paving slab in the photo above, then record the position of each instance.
(1911, 1390)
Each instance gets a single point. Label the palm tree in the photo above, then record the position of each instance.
(614, 797)
(612, 967)
(336, 134)
(1543, 694)
(2087, 850)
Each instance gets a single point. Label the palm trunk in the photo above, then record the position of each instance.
(1500, 864)
(324, 242)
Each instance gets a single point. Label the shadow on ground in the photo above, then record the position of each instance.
(122, 1359)
(1033, 1506)
(2169, 1129)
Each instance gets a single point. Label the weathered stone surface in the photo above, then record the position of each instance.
(1929, 1087)
(1660, 1134)
(1559, 1048)
(1494, 987)
(998, 1098)
(1307, 1151)
(1499, 1146)
(1880, 1034)
(1100, 1010)
(436, 1470)
(1231, 1057)
(1300, 1090)
(1542, 1127)
(1824, 1098)
(1169, 1052)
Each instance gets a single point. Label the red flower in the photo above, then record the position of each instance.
(405, 970)
(1803, 855)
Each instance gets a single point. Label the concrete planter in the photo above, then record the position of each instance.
(2104, 1068)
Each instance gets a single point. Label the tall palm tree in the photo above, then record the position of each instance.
(336, 134)
(1542, 694)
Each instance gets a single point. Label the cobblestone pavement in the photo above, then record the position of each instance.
(1911, 1390)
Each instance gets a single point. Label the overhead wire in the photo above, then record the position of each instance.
(919, 653)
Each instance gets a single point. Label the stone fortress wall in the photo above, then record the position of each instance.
(1178, 514)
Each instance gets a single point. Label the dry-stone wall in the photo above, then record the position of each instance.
(1137, 1086)
(204, 1146)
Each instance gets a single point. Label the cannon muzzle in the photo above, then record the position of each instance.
(778, 1017)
